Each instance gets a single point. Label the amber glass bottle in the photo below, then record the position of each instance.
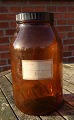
(36, 58)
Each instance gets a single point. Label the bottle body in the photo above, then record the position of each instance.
(36, 58)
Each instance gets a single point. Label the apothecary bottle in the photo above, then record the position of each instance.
(36, 59)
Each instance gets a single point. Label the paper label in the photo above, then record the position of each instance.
(37, 69)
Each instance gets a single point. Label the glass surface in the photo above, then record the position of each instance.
(36, 41)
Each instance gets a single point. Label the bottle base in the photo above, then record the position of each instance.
(39, 106)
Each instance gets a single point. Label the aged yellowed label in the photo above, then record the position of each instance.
(37, 69)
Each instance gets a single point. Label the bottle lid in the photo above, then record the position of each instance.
(35, 16)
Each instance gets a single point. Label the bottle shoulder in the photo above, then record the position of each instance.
(34, 35)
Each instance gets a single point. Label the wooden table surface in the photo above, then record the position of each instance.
(8, 110)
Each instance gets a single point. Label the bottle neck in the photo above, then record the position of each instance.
(36, 22)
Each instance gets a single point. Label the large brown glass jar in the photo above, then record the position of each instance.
(36, 58)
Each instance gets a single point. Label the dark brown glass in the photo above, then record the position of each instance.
(36, 40)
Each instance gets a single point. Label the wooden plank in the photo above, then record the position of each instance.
(67, 111)
(52, 116)
(68, 86)
(8, 92)
(69, 78)
(68, 73)
(68, 66)
(5, 111)
(4, 73)
(69, 97)
(9, 76)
